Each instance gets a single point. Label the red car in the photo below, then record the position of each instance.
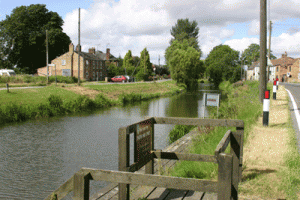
(120, 78)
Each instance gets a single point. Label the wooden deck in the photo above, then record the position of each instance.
(160, 167)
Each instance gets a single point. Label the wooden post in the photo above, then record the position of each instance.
(240, 131)
(149, 168)
(124, 154)
(224, 176)
(81, 186)
(235, 151)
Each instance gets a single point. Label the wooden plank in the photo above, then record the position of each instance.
(235, 141)
(193, 195)
(176, 194)
(199, 122)
(240, 130)
(64, 189)
(210, 196)
(142, 192)
(158, 194)
(185, 156)
(105, 191)
(223, 143)
(224, 176)
(152, 180)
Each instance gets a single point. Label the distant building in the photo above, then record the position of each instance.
(93, 65)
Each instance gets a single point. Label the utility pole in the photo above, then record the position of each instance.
(47, 60)
(269, 52)
(79, 48)
(263, 47)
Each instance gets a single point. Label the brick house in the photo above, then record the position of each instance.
(285, 70)
(92, 64)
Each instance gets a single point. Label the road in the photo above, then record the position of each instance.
(294, 94)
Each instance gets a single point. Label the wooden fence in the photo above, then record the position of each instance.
(229, 165)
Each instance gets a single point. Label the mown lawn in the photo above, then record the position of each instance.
(34, 96)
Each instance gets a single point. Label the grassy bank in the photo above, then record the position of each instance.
(24, 104)
(242, 103)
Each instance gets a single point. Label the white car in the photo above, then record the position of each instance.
(7, 72)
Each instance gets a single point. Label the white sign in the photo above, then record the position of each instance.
(212, 99)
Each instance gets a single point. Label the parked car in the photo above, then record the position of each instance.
(119, 78)
(7, 72)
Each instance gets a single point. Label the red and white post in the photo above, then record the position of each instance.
(277, 82)
(274, 90)
(266, 108)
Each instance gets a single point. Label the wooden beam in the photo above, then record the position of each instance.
(185, 156)
(224, 176)
(64, 189)
(223, 143)
(198, 121)
(152, 180)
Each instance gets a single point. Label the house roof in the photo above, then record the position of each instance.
(99, 55)
(283, 61)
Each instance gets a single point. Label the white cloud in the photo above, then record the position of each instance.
(225, 33)
(136, 24)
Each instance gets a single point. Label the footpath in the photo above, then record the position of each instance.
(264, 153)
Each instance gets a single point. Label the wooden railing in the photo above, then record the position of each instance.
(229, 165)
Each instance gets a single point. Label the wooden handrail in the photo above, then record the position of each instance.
(63, 190)
(223, 143)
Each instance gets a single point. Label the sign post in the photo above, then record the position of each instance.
(211, 99)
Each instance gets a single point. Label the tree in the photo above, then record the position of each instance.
(252, 54)
(185, 64)
(183, 30)
(23, 37)
(222, 63)
(144, 69)
(128, 63)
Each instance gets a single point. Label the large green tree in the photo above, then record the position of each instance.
(144, 69)
(222, 63)
(23, 37)
(183, 30)
(185, 64)
(128, 63)
(252, 54)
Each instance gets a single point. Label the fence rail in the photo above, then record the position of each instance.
(229, 165)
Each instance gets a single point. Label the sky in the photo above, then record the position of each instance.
(123, 25)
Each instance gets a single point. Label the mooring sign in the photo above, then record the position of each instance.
(143, 141)
(211, 99)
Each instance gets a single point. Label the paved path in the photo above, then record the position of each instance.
(13, 88)
(294, 95)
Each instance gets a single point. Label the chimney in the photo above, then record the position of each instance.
(107, 53)
(71, 48)
(77, 48)
(92, 50)
(284, 55)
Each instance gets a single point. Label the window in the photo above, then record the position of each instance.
(290, 68)
(277, 69)
(87, 75)
(63, 62)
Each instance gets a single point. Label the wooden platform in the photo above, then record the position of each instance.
(160, 167)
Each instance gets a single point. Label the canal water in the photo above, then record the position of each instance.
(37, 157)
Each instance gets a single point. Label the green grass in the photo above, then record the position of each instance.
(291, 175)
(35, 96)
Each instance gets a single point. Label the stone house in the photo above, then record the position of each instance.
(93, 65)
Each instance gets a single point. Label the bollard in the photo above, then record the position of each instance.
(266, 108)
(274, 90)
(7, 86)
(277, 82)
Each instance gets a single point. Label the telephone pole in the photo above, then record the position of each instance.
(47, 60)
(79, 48)
(263, 47)
(269, 52)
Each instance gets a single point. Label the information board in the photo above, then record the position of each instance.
(143, 141)
(66, 72)
(212, 99)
